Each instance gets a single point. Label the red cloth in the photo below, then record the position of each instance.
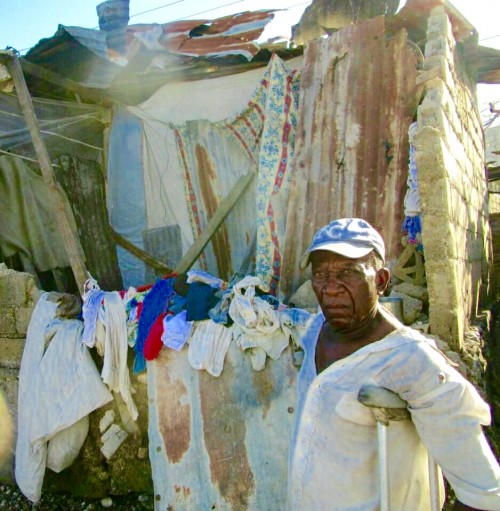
(153, 343)
(139, 310)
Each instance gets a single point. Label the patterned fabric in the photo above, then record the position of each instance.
(276, 153)
(265, 131)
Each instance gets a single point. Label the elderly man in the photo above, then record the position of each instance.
(333, 460)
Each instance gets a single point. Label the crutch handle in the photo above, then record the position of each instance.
(386, 404)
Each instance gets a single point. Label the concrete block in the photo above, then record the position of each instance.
(8, 323)
(11, 352)
(112, 439)
(23, 318)
(439, 46)
(16, 288)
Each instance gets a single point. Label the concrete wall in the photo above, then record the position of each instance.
(453, 189)
(18, 297)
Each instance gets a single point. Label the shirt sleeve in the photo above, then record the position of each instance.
(448, 414)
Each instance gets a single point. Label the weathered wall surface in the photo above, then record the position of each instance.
(18, 297)
(357, 99)
(453, 189)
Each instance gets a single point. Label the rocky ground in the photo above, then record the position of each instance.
(11, 499)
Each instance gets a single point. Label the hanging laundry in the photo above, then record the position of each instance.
(153, 342)
(412, 223)
(91, 302)
(176, 331)
(200, 299)
(241, 307)
(58, 388)
(208, 346)
(154, 304)
(115, 371)
(205, 278)
(257, 326)
(220, 313)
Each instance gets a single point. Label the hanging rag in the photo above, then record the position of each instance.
(176, 331)
(153, 342)
(412, 223)
(205, 278)
(154, 304)
(208, 346)
(200, 299)
(91, 302)
(257, 325)
(115, 373)
(58, 388)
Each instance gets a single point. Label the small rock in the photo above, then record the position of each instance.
(418, 292)
(142, 453)
(143, 498)
(411, 307)
(304, 298)
(106, 502)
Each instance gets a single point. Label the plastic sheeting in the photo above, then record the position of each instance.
(66, 128)
(29, 223)
(125, 197)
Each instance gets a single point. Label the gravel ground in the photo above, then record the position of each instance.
(11, 499)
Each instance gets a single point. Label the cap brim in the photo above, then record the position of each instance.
(345, 249)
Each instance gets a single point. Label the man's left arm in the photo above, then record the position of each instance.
(448, 414)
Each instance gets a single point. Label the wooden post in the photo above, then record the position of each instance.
(68, 235)
(223, 210)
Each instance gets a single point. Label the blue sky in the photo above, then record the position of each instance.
(24, 22)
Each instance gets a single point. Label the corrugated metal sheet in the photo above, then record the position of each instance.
(83, 55)
(220, 443)
(357, 100)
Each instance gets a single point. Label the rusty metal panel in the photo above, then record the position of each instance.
(220, 443)
(357, 100)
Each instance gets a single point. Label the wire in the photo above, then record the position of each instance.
(26, 158)
(208, 10)
(487, 38)
(151, 10)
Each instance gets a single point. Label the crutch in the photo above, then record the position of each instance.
(388, 406)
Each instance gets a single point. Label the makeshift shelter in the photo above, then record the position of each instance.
(314, 138)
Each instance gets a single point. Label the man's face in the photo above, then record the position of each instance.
(346, 289)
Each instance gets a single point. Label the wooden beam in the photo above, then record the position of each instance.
(57, 79)
(223, 210)
(139, 253)
(69, 236)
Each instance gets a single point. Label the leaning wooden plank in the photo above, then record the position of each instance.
(139, 253)
(68, 235)
(223, 210)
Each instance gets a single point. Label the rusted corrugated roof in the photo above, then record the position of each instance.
(180, 50)
(357, 100)
(230, 35)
